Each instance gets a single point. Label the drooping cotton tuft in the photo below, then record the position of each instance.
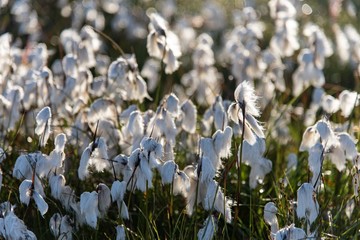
(43, 125)
(89, 208)
(25, 191)
(208, 230)
(41, 205)
(54, 224)
(290, 233)
(167, 172)
(120, 232)
(172, 104)
(245, 95)
(307, 205)
(309, 139)
(215, 199)
(222, 142)
(348, 100)
(104, 198)
(118, 190)
(188, 118)
(246, 104)
(270, 211)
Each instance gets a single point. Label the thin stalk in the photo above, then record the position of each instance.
(238, 188)
(195, 210)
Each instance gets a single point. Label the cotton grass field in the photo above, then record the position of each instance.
(179, 119)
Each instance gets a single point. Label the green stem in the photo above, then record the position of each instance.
(238, 188)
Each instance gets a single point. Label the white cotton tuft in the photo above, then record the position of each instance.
(348, 145)
(330, 104)
(215, 199)
(118, 190)
(66, 228)
(290, 233)
(307, 205)
(83, 171)
(54, 224)
(324, 130)
(1, 178)
(314, 161)
(43, 122)
(135, 124)
(120, 232)
(348, 100)
(309, 139)
(207, 170)
(208, 230)
(181, 184)
(245, 94)
(2, 155)
(220, 116)
(23, 167)
(222, 142)
(255, 126)
(270, 211)
(337, 157)
(189, 113)
(102, 109)
(42, 206)
(25, 191)
(207, 149)
(57, 183)
(172, 104)
(258, 171)
(349, 208)
(292, 162)
(124, 212)
(60, 141)
(152, 150)
(104, 198)
(167, 172)
(89, 208)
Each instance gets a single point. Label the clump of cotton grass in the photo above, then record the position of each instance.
(92, 205)
(203, 81)
(124, 74)
(118, 190)
(244, 110)
(285, 40)
(12, 227)
(171, 174)
(203, 188)
(322, 142)
(141, 162)
(27, 191)
(307, 73)
(242, 47)
(162, 43)
(272, 69)
(95, 154)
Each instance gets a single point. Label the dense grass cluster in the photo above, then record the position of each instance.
(198, 120)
